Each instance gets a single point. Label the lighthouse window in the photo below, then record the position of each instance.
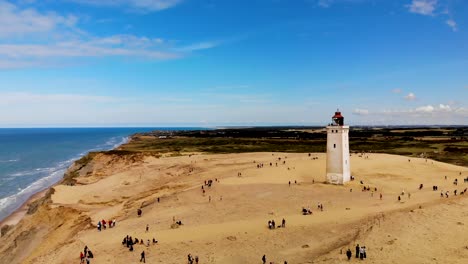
(334, 145)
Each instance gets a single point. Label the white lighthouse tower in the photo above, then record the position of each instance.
(338, 169)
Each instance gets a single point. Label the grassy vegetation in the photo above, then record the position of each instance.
(441, 146)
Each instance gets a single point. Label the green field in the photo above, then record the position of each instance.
(441, 147)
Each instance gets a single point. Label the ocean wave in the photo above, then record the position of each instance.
(52, 175)
(32, 172)
(8, 161)
(9, 204)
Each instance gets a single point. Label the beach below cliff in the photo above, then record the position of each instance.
(227, 222)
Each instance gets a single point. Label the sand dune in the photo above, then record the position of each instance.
(232, 228)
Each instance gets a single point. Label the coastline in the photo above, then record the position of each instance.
(18, 214)
(21, 212)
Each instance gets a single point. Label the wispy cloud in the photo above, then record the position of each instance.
(141, 5)
(432, 8)
(361, 112)
(410, 97)
(451, 23)
(22, 43)
(200, 46)
(422, 115)
(18, 22)
(328, 3)
(324, 3)
(423, 7)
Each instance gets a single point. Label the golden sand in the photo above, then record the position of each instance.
(232, 228)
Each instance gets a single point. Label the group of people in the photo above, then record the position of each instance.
(103, 224)
(306, 211)
(272, 224)
(86, 255)
(361, 252)
(192, 259)
(128, 241)
(320, 206)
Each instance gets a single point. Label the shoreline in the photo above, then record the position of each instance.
(18, 214)
(15, 217)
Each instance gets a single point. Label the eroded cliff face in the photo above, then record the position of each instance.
(48, 226)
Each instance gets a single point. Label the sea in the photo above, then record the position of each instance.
(33, 159)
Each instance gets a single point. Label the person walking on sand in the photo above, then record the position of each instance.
(283, 223)
(264, 259)
(357, 251)
(349, 254)
(196, 259)
(361, 253)
(147, 228)
(143, 259)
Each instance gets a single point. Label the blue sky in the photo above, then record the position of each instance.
(215, 62)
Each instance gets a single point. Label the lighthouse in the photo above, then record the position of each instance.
(338, 167)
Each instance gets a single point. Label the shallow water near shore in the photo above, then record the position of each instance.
(33, 159)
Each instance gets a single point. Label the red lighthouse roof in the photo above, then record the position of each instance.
(338, 119)
(337, 115)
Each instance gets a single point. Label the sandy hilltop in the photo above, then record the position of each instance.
(232, 227)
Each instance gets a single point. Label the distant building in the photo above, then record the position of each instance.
(338, 167)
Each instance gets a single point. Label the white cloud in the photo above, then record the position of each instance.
(17, 22)
(358, 111)
(397, 90)
(200, 46)
(144, 5)
(30, 55)
(32, 38)
(452, 24)
(443, 107)
(410, 97)
(325, 3)
(423, 7)
(425, 109)
(423, 115)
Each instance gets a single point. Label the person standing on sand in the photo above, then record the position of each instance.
(349, 254)
(196, 259)
(357, 251)
(147, 228)
(361, 253)
(143, 259)
(283, 223)
(264, 259)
